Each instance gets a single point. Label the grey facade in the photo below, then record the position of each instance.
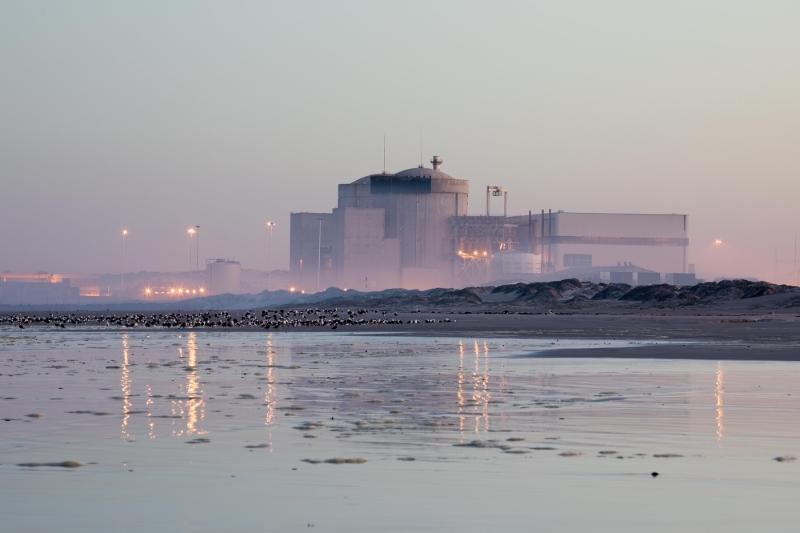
(310, 251)
(656, 242)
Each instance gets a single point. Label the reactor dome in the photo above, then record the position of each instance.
(419, 172)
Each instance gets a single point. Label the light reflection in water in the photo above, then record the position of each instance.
(125, 386)
(193, 406)
(480, 389)
(461, 416)
(718, 396)
(270, 396)
(151, 426)
(190, 405)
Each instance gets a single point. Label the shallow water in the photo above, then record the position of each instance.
(208, 431)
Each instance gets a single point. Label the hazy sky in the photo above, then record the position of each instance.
(160, 115)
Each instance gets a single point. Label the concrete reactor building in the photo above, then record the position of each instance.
(411, 230)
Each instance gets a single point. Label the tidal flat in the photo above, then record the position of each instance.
(255, 431)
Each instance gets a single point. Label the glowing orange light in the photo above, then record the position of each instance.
(202, 290)
(718, 242)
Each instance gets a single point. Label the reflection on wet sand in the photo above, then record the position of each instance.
(125, 386)
(718, 396)
(377, 428)
(189, 403)
(270, 398)
(460, 393)
(496, 394)
(191, 406)
(269, 395)
(481, 395)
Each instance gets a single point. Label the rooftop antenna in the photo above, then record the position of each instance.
(420, 147)
(384, 154)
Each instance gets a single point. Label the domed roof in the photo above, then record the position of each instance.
(417, 172)
(422, 172)
(366, 179)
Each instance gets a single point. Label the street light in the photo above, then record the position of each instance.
(270, 225)
(319, 254)
(197, 250)
(191, 234)
(124, 232)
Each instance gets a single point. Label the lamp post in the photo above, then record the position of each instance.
(319, 255)
(197, 251)
(124, 232)
(191, 234)
(270, 225)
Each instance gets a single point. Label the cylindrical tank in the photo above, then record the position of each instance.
(223, 276)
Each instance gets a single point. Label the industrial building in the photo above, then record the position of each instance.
(630, 248)
(223, 276)
(43, 288)
(411, 229)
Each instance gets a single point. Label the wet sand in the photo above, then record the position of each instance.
(247, 431)
(750, 337)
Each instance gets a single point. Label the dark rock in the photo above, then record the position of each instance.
(614, 291)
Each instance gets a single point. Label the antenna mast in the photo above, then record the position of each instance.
(420, 147)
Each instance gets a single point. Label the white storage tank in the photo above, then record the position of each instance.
(223, 276)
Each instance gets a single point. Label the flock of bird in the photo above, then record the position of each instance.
(292, 318)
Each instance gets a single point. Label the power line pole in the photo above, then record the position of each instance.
(124, 232)
(191, 235)
(269, 263)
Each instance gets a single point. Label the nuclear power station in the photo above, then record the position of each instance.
(411, 230)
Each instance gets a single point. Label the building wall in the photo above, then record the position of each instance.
(362, 258)
(656, 258)
(38, 293)
(656, 242)
(355, 195)
(422, 223)
(419, 221)
(619, 225)
(304, 251)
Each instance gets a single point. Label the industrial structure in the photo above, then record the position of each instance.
(411, 229)
(44, 288)
(223, 276)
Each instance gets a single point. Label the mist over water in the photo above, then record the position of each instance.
(156, 118)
